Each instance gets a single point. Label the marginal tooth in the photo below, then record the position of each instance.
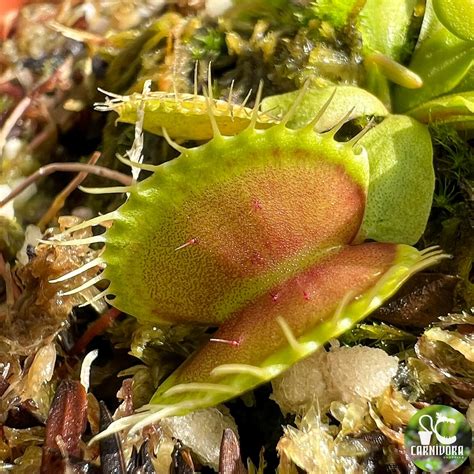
(435, 253)
(290, 337)
(173, 410)
(215, 128)
(89, 223)
(108, 190)
(229, 100)
(321, 111)
(116, 426)
(97, 297)
(428, 260)
(354, 140)
(84, 286)
(331, 133)
(374, 295)
(299, 98)
(97, 239)
(200, 387)
(112, 94)
(429, 249)
(258, 101)
(240, 369)
(343, 305)
(209, 80)
(134, 164)
(247, 97)
(93, 263)
(172, 143)
(195, 85)
(150, 406)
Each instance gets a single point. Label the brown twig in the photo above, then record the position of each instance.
(60, 199)
(96, 328)
(67, 167)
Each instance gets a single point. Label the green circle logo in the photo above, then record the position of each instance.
(438, 439)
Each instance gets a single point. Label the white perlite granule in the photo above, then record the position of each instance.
(299, 387)
(215, 8)
(201, 432)
(344, 374)
(360, 372)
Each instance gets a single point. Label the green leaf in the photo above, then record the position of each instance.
(442, 60)
(455, 109)
(182, 115)
(384, 27)
(457, 16)
(265, 347)
(401, 181)
(345, 98)
(400, 157)
(224, 222)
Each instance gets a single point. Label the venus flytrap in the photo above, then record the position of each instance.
(258, 233)
(184, 116)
